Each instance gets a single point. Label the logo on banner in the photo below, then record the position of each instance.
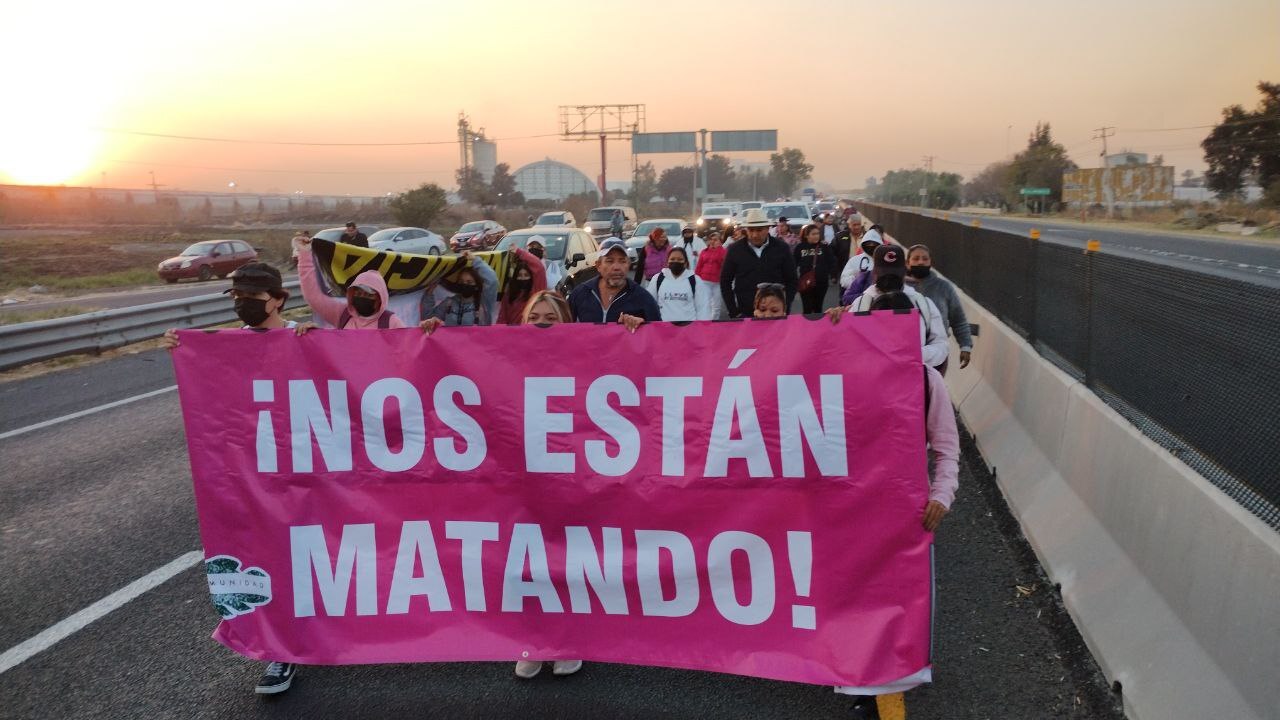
(236, 591)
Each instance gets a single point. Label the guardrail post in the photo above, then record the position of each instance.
(1090, 249)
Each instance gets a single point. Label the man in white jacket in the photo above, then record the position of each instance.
(676, 290)
(888, 271)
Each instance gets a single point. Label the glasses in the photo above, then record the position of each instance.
(770, 286)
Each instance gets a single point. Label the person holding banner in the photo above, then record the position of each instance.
(545, 308)
(528, 279)
(888, 271)
(257, 290)
(363, 308)
(467, 297)
(614, 297)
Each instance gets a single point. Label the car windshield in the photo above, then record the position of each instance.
(717, 211)
(472, 227)
(199, 249)
(555, 243)
(556, 219)
(601, 214)
(643, 229)
(751, 205)
(383, 235)
(332, 234)
(796, 213)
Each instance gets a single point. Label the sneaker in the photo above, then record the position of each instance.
(528, 668)
(566, 667)
(277, 678)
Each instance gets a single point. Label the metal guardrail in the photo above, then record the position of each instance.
(105, 329)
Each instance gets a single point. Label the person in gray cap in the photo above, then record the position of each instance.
(614, 297)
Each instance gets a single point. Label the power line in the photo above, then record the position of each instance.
(1229, 123)
(243, 141)
(290, 172)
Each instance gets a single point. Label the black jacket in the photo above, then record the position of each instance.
(586, 305)
(742, 271)
(358, 239)
(818, 258)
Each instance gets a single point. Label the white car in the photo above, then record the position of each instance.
(673, 226)
(556, 219)
(798, 214)
(417, 241)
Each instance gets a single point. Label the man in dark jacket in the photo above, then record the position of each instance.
(761, 259)
(353, 236)
(613, 297)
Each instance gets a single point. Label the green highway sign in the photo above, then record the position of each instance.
(1034, 191)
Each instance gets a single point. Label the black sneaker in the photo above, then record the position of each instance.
(277, 678)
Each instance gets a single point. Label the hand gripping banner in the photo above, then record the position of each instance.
(340, 263)
(741, 497)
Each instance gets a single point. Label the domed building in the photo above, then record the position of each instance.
(551, 180)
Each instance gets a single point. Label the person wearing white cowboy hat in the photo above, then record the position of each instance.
(761, 259)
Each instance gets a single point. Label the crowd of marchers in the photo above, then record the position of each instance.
(756, 273)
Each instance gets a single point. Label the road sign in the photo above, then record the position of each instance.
(744, 140)
(922, 192)
(1034, 191)
(670, 142)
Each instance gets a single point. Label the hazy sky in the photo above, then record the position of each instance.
(861, 87)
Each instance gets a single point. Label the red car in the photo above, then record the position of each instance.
(478, 235)
(204, 260)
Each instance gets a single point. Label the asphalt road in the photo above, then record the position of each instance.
(93, 503)
(1252, 260)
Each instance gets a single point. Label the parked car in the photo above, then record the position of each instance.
(797, 213)
(477, 235)
(600, 221)
(335, 234)
(204, 260)
(673, 226)
(417, 241)
(715, 216)
(575, 249)
(556, 218)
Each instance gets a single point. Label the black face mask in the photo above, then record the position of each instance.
(251, 311)
(537, 252)
(889, 283)
(459, 289)
(919, 272)
(676, 268)
(364, 306)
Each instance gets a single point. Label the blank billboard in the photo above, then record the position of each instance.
(672, 142)
(744, 140)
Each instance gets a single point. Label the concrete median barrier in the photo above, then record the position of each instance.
(1174, 586)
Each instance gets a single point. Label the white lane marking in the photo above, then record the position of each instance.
(49, 637)
(82, 413)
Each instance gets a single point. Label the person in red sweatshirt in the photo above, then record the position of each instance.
(710, 260)
(529, 279)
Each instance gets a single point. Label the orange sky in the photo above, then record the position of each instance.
(861, 87)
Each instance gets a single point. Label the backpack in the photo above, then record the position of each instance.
(384, 320)
(693, 287)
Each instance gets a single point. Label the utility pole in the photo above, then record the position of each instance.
(924, 182)
(704, 164)
(1105, 184)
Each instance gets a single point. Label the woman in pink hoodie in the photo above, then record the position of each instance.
(364, 307)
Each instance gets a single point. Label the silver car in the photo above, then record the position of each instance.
(417, 241)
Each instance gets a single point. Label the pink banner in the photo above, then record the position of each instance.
(742, 497)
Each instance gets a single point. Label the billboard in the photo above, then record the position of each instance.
(671, 142)
(1131, 185)
(744, 140)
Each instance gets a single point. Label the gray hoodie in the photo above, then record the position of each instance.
(943, 294)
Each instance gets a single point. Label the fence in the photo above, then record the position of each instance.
(1191, 359)
(105, 329)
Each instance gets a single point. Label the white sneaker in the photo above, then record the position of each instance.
(566, 667)
(528, 668)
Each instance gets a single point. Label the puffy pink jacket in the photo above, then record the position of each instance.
(330, 308)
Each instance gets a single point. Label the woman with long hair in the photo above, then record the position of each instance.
(814, 264)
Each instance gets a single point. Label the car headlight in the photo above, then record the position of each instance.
(701, 221)
(186, 263)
